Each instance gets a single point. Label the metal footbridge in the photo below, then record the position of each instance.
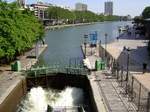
(74, 67)
(50, 70)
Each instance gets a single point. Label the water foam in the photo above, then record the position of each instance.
(38, 99)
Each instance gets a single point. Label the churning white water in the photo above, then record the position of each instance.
(38, 99)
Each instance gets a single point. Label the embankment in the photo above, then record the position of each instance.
(13, 84)
(66, 25)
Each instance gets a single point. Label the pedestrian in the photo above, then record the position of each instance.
(124, 48)
(144, 67)
(117, 38)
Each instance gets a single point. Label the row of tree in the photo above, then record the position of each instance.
(143, 24)
(19, 30)
(79, 16)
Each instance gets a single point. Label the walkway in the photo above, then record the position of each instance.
(114, 96)
(110, 92)
(9, 79)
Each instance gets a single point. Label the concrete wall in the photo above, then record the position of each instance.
(11, 101)
(60, 81)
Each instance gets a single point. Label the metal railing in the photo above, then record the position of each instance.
(132, 88)
(73, 66)
(42, 71)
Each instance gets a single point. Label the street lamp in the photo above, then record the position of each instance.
(100, 48)
(127, 75)
(106, 45)
(119, 31)
(85, 43)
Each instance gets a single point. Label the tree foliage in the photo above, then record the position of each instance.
(80, 16)
(86, 16)
(19, 29)
(146, 13)
(60, 13)
(111, 18)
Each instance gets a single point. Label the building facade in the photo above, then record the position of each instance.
(40, 10)
(22, 3)
(80, 7)
(108, 8)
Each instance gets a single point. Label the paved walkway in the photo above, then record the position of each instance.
(109, 90)
(97, 94)
(114, 96)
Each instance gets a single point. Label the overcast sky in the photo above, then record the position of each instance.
(121, 7)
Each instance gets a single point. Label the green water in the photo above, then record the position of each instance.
(64, 44)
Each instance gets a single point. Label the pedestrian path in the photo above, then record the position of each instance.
(114, 95)
(110, 91)
(112, 98)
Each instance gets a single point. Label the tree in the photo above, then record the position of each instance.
(146, 13)
(19, 30)
(60, 14)
(79, 16)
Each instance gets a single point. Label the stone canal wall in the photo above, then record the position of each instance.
(60, 81)
(66, 25)
(93, 54)
(13, 95)
(13, 84)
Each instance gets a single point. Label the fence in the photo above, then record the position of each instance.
(73, 66)
(139, 95)
(133, 89)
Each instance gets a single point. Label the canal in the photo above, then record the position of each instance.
(64, 44)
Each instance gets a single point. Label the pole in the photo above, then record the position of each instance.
(85, 42)
(148, 102)
(132, 97)
(85, 49)
(100, 48)
(139, 99)
(127, 67)
(105, 44)
(127, 76)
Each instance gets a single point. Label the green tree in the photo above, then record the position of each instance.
(19, 30)
(60, 14)
(146, 13)
(80, 16)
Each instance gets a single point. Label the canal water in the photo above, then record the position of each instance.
(64, 44)
(38, 99)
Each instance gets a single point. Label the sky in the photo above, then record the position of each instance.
(121, 7)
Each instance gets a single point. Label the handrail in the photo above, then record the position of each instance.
(44, 71)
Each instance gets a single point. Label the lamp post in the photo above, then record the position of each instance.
(106, 45)
(100, 48)
(119, 31)
(128, 53)
(85, 43)
(127, 75)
